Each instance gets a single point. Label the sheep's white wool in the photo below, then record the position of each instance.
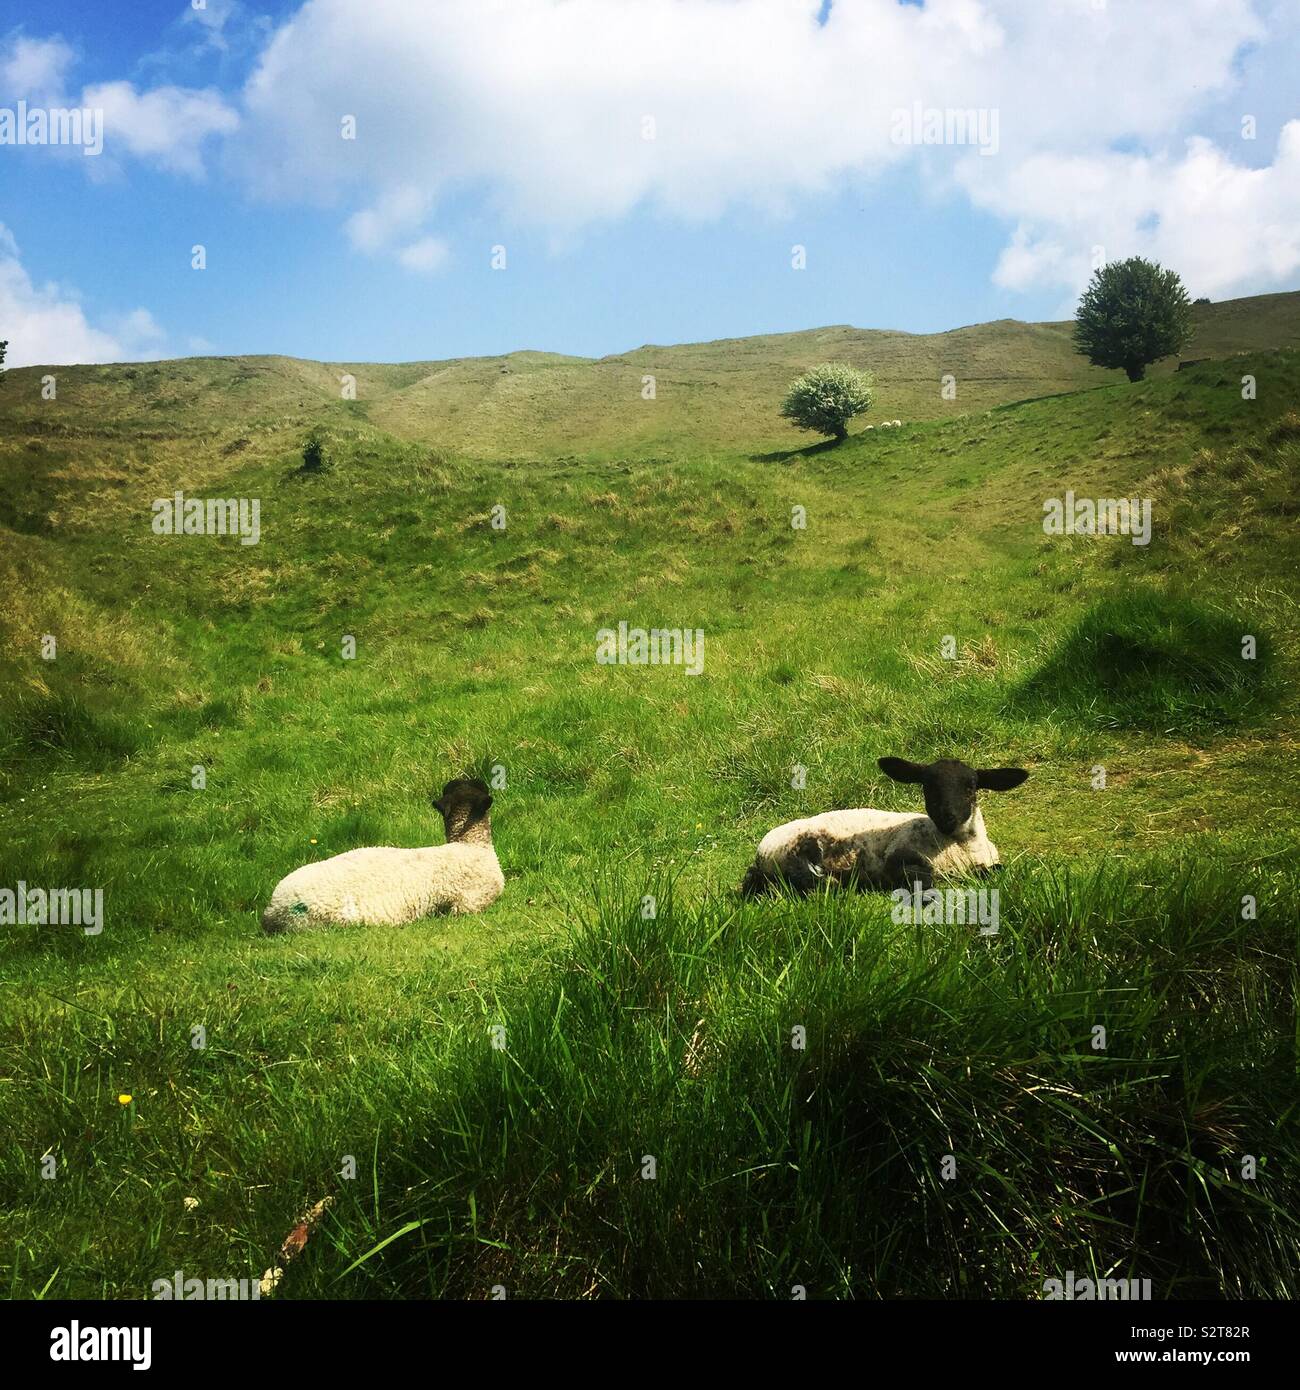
(864, 839)
(386, 887)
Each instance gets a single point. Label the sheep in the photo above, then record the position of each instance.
(888, 849)
(386, 886)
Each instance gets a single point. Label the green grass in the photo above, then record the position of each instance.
(667, 1036)
(1155, 661)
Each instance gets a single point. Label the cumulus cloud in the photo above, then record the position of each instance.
(1227, 227)
(33, 69)
(579, 110)
(397, 213)
(564, 114)
(423, 256)
(1112, 119)
(165, 125)
(212, 20)
(45, 324)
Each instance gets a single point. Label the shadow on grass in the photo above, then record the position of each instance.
(784, 455)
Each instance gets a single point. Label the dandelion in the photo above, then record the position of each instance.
(124, 1100)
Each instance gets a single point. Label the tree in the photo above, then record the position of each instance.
(826, 398)
(1132, 313)
(2, 357)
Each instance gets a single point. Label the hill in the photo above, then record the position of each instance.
(542, 405)
(922, 610)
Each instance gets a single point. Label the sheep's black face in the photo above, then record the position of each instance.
(465, 798)
(951, 787)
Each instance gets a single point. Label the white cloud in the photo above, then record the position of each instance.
(1115, 120)
(46, 326)
(1226, 227)
(541, 105)
(166, 125)
(213, 18)
(423, 256)
(397, 213)
(543, 102)
(33, 69)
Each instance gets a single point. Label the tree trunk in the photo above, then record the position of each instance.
(1136, 371)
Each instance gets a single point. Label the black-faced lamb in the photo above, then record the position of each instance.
(872, 849)
(386, 886)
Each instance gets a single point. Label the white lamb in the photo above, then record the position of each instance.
(386, 887)
(888, 849)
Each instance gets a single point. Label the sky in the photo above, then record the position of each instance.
(404, 180)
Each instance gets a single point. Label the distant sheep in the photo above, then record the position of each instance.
(888, 849)
(386, 887)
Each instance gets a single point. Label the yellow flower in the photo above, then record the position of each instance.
(124, 1100)
(313, 839)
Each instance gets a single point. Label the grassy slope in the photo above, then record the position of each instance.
(474, 648)
(532, 405)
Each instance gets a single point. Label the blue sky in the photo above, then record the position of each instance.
(1133, 127)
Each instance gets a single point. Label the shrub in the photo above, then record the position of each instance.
(313, 453)
(826, 398)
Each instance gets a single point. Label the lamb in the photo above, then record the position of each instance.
(888, 849)
(386, 886)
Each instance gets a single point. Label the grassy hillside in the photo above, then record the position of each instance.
(194, 416)
(667, 1036)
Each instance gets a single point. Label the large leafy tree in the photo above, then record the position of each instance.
(2, 355)
(1132, 314)
(826, 398)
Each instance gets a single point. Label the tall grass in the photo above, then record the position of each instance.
(776, 1165)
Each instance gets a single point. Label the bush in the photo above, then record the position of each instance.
(313, 454)
(826, 398)
(1132, 314)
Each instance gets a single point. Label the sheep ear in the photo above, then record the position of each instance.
(901, 770)
(1000, 779)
